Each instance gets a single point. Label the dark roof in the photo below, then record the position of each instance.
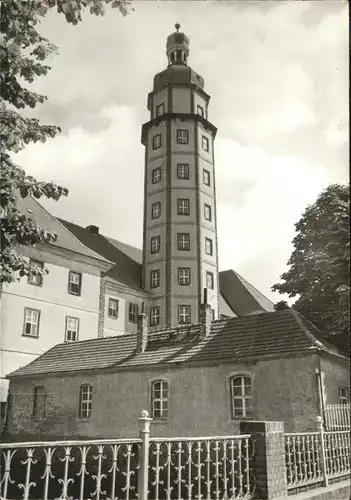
(125, 269)
(278, 334)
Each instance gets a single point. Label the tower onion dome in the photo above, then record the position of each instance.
(177, 47)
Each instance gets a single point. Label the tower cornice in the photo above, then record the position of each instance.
(184, 85)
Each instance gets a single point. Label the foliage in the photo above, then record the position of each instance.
(319, 267)
(23, 56)
(282, 304)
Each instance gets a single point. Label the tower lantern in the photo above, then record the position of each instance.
(180, 255)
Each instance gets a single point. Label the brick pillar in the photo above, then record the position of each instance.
(102, 299)
(268, 462)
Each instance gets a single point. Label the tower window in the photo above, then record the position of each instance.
(208, 212)
(112, 308)
(155, 278)
(200, 110)
(183, 205)
(183, 241)
(133, 313)
(31, 322)
(85, 401)
(34, 278)
(156, 210)
(184, 314)
(206, 177)
(208, 246)
(156, 175)
(74, 283)
(72, 328)
(182, 136)
(205, 143)
(183, 170)
(160, 109)
(184, 276)
(155, 244)
(156, 141)
(154, 316)
(209, 280)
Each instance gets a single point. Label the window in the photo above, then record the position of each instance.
(241, 394)
(72, 328)
(209, 280)
(208, 246)
(74, 283)
(31, 322)
(344, 395)
(183, 205)
(183, 241)
(200, 110)
(156, 141)
(154, 316)
(155, 278)
(205, 143)
(182, 137)
(206, 177)
(112, 308)
(184, 276)
(160, 109)
(156, 175)
(184, 315)
(133, 313)
(156, 210)
(208, 212)
(85, 400)
(155, 244)
(39, 401)
(183, 170)
(159, 399)
(34, 278)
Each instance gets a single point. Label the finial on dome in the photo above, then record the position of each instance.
(177, 26)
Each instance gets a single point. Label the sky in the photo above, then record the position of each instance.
(277, 73)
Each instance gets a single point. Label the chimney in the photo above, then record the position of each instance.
(205, 317)
(93, 229)
(142, 329)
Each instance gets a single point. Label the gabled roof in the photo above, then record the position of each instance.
(278, 334)
(65, 239)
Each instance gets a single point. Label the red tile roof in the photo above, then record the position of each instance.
(278, 334)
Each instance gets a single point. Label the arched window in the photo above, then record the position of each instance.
(159, 399)
(85, 400)
(241, 396)
(39, 401)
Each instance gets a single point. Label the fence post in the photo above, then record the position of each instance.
(322, 444)
(143, 475)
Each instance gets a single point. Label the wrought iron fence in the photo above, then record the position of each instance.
(316, 457)
(337, 417)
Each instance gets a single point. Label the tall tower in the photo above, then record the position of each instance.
(180, 256)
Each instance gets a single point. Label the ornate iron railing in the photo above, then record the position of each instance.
(337, 453)
(201, 468)
(98, 469)
(337, 417)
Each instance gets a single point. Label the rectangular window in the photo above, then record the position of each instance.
(182, 137)
(74, 283)
(183, 241)
(160, 109)
(156, 210)
(183, 170)
(154, 316)
(184, 315)
(183, 206)
(155, 278)
(184, 276)
(208, 212)
(209, 280)
(155, 244)
(72, 328)
(205, 143)
(200, 110)
(241, 393)
(31, 322)
(206, 177)
(159, 399)
(156, 141)
(133, 313)
(85, 401)
(156, 175)
(113, 308)
(208, 246)
(344, 395)
(34, 278)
